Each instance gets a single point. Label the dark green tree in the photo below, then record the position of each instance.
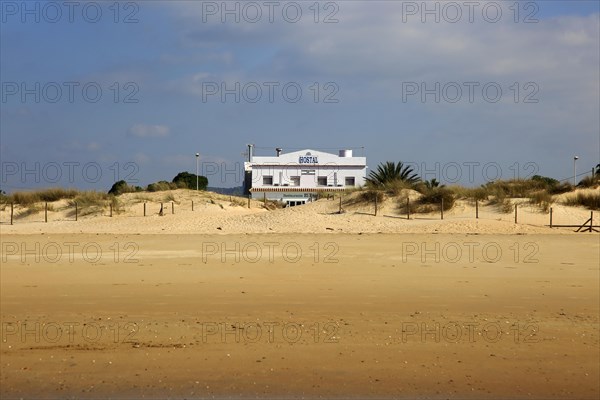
(550, 182)
(188, 180)
(120, 187)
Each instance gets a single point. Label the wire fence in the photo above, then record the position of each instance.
(519, 213)
(523, 213)
(13, 213)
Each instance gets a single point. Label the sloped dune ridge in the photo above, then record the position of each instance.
(214, 213)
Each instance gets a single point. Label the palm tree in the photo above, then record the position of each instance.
(433, 184)
(390, 171)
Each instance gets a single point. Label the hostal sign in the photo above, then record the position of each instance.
(308, 159)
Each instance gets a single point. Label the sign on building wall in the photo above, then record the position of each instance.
(308, 160)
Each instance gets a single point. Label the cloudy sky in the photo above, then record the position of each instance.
(464, 91)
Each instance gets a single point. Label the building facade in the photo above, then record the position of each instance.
(297, 177)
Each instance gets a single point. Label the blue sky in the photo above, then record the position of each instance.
(156, 73)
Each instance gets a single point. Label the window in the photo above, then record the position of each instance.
(322, 181)
(349, 181)
(268, 180)
(295, 180)
(308, 172)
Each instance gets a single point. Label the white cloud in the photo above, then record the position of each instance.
(399, 48)
(143, 130)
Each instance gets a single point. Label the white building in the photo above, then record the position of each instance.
(297, 177)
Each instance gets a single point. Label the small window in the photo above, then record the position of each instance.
(295, 180)
(349, 181)
(322, 181)
(268, 180)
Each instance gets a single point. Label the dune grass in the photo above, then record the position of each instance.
(539, 192)
(90, 203)
(590, 182)
(237, 202)
(28, 210)
(542, 199)
(169, 197)
(589, 200)
(45, 195)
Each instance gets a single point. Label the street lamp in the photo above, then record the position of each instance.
(197, 160)
(575, 170)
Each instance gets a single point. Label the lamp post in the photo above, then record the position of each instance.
(575, 170)
(197, 160)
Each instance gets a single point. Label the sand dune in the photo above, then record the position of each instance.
(215, 213)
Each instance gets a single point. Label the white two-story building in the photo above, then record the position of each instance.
(297, 177)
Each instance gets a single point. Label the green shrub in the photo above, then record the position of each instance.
(549, 182)
(564, 187)
(412, 205)
(121, 187)
(433, 197)
(161, 186)
(369, 196)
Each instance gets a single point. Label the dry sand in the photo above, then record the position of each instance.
(219, 214)
(299, 302)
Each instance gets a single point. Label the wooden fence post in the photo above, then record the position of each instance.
(516, 212)
(249, 197)
(442, 208)
(376, 193)
(591, 221)
(12, 211)
(144, 209)
(76, 211)
(476, 209)
(46, 212)
(172, 207)
(111, 210)
(550, 217)
(407, 208)
(192, 205)
(265, 199)
(340, 204)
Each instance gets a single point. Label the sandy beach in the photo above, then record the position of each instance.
(173, 306)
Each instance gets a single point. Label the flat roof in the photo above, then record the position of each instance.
(306, 165)
(298, 189)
